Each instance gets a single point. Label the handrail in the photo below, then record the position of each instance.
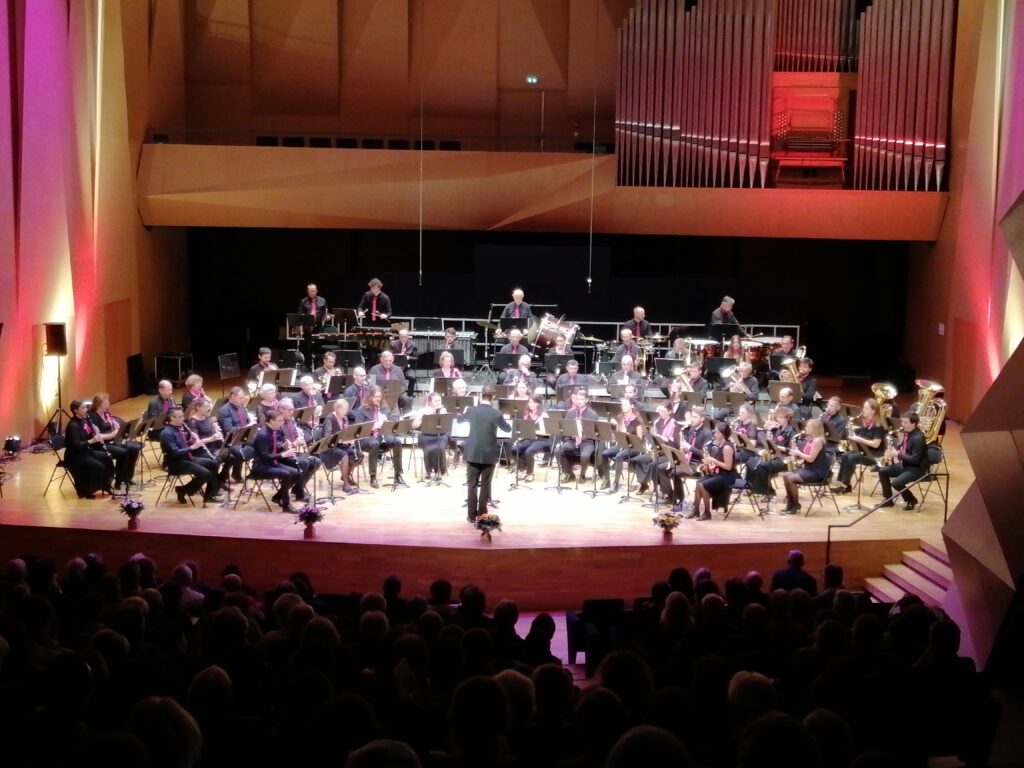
(927, 476)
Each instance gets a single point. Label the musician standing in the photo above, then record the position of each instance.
(909, 463)
(723, 315)
(270, 462)
(638, 326)
(481, 450)
(374, 304)
(312, 304)
(180, 446)
(91, 468)
(517, 308)
(125, 453)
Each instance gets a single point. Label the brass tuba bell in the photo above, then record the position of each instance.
(884, 393)
(930, 409)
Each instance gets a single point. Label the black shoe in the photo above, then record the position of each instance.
(237, 478)
(705, 516)
(374, 483)
(214, 499)
(910, 506)
(691, 514)
(606, 484)
(677, 509)
(568, 477)
(399, 480)
(642, 488)
(278, 498)
(887, 504)
(182, 496)
(286, 507)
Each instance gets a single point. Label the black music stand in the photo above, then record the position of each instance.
(514, 408)
(139, 429)
(558, 428)
(723, 331)
(441, 386)
(668, 367)
(508, 323)
(600, 432)
(502, 360)
(398, 429)
(314, 450)
(633, 443)
(522, 429)
(452, 403)
(556, 363)
(693, 398)
(353, 433)
(435, 425)
(348, 358)
(861, 469)
(713, 366)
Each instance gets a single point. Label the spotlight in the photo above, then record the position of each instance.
(532, 79)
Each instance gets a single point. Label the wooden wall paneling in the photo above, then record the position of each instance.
(646, 89)
(743, 148)
(913, 94)
(117, 339)
(670, 85)
(944, 96)
(921, 106)
(903, 95)
(931, 117)
(658, 118)
(765, 83)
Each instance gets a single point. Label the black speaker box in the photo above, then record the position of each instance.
(56, 340)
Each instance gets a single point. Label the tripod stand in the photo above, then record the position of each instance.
(59, 413)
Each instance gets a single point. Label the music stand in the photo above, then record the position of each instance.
(392, 391)
(522, 429)
(694, 398)
(441, 385)
(397, 429)
(282, 377)
(713, 366)
(315, 448)
(459, 355)
(629, 442)
(508, 323)
(514, 408)
(302, 414)
(505, 360)
(352, 434)
(452, 403)
(599, 432)
(558, 428)
(678, 464)
(435, 425)
(774, 387)
(723, 331)
(556, 363)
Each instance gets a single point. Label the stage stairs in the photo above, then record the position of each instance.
(924, 572)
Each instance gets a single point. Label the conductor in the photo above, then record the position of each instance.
(481, 450)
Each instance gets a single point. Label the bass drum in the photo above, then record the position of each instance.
(754, 351)
(545, 331)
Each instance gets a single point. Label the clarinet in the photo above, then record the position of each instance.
(193, 436)
(103, 443)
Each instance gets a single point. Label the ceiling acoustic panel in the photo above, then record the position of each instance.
(295, 57)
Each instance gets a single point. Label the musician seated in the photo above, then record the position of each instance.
(376, 411)
(517, 308)
(515, 344)
(834, 422)
(233, 416)
(125, 453)
(809, 387)
(626, 374)
(909, 463)
(638, 325)
(719, 469)
(386, 371)
(343, 456)
(193, 391)
(697, 383)
(266, 402)
(262, 365)
(742, 381)
(679, 350)
(308, 397)
(433, 446)
(573, 449)
(327, 371)
(91, 468)
(404, 345)
(521, 391)
(312, 304)
(786, 348)
(446, 369)
(778, 431)
(561, 346)
(817, 463)
(528, 448)
(460, 388)
(297, 435)
(451, 339)
(183, 455)
(274, 460)
(747, 433)
(572, 375)
(521, 373)
(735, 349)
(629, 421)
(677, 406)
(647, 464)
(694, 438)
(627, 346)
(787, 399)
(159, 406)
(871, 435)
(359, 387)
(212, 437)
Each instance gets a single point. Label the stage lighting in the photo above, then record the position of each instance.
(532, 79)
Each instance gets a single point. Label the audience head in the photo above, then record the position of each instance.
(648, 746)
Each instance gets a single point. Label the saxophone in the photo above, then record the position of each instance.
(793, 463)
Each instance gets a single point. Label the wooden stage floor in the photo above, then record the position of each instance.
(554, 549)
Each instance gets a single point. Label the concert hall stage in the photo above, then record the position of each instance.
(555, 549)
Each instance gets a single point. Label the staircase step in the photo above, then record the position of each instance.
(931, 568)
(883, 590)
(913, 582)
(936, 549)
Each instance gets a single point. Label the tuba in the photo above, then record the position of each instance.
(930, 409)
(884, 393)
(790, 370)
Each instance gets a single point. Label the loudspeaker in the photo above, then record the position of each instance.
(56, 340)
(136, 376)
(229, 367)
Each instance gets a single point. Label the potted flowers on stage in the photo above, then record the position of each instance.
(132, 508)
(309, 517)
(488, 523)
(668, 522)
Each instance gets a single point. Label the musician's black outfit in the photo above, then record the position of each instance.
(515, 375)
(269, 464)
(376, 443)
(179, 460)
(411, 352)
(911, 464)
(125, 453)
(524, 312)
(231, 417)
(231, 461)
(259, 368)
(809, 397)
(849, 460)
(718, 482)
(530, 447)
(334, 455)
(640, 328)
(619, 454)
(723, 317)
(624, 378)
(382, 375)
(514, 349)
(316, 306)
(321, 375)
(158, 407)
(669, 478)
(90, 468)
(760, 472)
(573, 449)
(372, 308)
(632, 349)
(646, 464)
(433, 447)
(355, 392)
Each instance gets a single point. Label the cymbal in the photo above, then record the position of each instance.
(592, 339)
(487, 325)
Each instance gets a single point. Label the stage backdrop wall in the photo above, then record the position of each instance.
(253, 277)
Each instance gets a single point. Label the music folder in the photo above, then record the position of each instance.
(553, 362)
(508, 323)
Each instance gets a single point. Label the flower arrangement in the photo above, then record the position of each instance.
(666, 521)
(486, 524)
(309, 515)
(132, 507)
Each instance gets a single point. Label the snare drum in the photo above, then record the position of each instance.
(703, 348)
(548, 328)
